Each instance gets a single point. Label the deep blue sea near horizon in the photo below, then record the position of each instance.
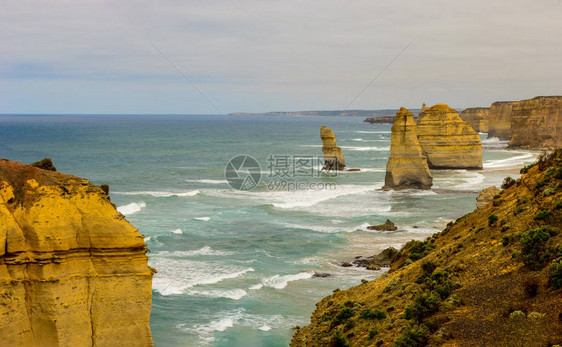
(235, 268)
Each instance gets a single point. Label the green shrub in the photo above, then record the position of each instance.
(428, 267)
(518, 210)
(555, 275)
(492, 219)
(542, 183)
(542, 215)
(505, 228)
(549, 192)
(424, 305)
(373, 332)
(508, 182)
(419, 249)
(372, 314)
(497, 202)
(526, 168)
(413, 336)
(558, 205)
(506, 240)
(558, 174)
(343, 315)
(339, 341)
(550, 172)
(533, 244)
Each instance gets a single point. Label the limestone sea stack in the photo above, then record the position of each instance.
(477, 118)
(537, 123)
(499, 120)
(73, 271)
(333, 156)
(447, 141)
(406, 167)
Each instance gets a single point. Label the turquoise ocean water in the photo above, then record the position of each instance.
(235, 268)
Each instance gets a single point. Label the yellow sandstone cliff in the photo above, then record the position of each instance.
(447, 141)
(73, 271)
(499, 120)
(333, 156)
(406, 167)
(477, 118)
(537, 123)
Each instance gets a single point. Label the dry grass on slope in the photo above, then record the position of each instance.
(492, 278)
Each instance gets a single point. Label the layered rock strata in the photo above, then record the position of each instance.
(499, 120)
(73, 271)
(477, 118)
(537, 123)
(447, 141)
(333, 156)
(406, 167)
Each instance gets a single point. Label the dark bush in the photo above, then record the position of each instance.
(531, 287)
(424, 305)
(413, 336)
(533, 244)
(419, 249)
(372, 314)
(373, 332)
(508, 182)
(428, 267)
(542, 215)
(492, 219)
(339, 341)
(518, 210)
(555, 275)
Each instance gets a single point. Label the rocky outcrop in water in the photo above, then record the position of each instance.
(333, 156)
(537, 123)
(406, 167)
(45, 164)
(499, 120)
(73, 271)
(447, 141)
(379, 120)
(387, 226)
(486, 196)
(477, 118)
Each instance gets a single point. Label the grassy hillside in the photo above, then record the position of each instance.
(492, 278)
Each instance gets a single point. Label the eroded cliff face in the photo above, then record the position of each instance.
(499, 120)
(406, 167)
(73, 271)
(447, 141)
(537, 123)
(477, 118)
(333, 156)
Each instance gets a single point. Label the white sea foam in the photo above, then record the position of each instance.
(367, 140)
(206, 181)
(177, 275)
(233, 294)
(357, 148)
(204, 219)
(472, 181)
(160, 194)
(307, 198)
(280, 282)
(371, 169)
(131, 208)
(494, 142)
(146, 239)
(201, 251)
(265, 327)
(177, 231)
(513, 161)
(372, 132)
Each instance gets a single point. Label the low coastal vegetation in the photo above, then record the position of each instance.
(492, 277)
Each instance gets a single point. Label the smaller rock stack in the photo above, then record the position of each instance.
(406, 167)
(477, 118)
(333, 156)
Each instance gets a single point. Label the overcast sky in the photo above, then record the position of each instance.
(97, 57)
